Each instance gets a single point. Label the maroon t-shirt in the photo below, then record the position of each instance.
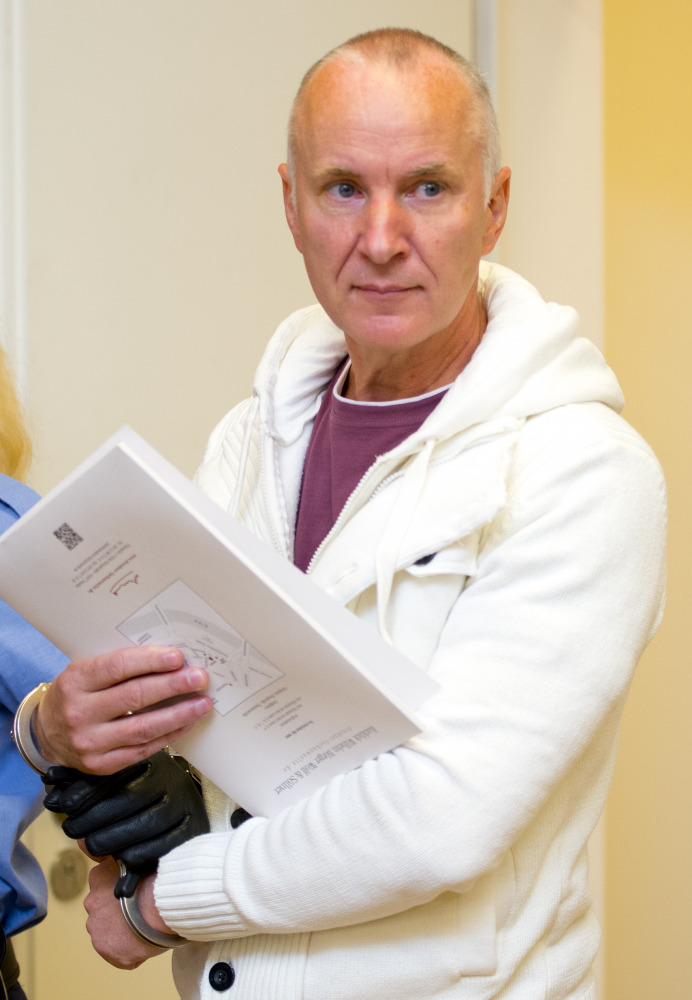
(346, 439)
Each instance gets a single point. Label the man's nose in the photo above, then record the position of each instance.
(385, 230)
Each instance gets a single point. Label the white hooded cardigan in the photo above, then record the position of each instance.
(455, 866)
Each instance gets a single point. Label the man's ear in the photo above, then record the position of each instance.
(289, 204)
(498, 203)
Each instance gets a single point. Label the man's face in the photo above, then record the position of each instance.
(388, 205)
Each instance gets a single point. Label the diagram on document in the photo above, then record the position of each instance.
(179, 617)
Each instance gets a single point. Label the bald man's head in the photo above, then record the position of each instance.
(411, 53)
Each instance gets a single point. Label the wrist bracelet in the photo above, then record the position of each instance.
(139, 926)
(23, 734)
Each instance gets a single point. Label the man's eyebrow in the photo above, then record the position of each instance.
(335, 173)
(428, 168)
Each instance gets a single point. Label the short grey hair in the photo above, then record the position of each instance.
(401, 48)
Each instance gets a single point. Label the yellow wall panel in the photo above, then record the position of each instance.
(648, 234)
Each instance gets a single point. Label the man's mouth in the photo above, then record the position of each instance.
(383, 290)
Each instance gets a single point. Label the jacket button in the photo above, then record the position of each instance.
(424, 560)
(221, 976)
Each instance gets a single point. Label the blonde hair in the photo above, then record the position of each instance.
(401, 48)
(15, 444)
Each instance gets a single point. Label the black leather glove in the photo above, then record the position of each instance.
(136, 815)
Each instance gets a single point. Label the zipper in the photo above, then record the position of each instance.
(345, 511)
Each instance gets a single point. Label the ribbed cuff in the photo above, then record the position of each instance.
(189, 890)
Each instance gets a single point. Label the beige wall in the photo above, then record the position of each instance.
(550, 107)
(648, 90)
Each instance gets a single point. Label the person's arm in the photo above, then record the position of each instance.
(22, 885)
(26, 658)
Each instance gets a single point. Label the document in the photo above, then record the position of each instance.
(127, 551)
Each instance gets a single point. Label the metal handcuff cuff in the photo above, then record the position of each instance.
(23, 733)
(140, 927)
(25, 741)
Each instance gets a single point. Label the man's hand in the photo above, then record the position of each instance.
(97, 717)
(135, 815)
(110, 935)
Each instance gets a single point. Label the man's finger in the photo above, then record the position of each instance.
(143, 728)
(97, 673)
(115, 758)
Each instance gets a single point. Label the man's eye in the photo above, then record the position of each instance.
(429, 189)
(344, 189)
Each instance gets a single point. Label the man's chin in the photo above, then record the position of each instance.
(382, 331)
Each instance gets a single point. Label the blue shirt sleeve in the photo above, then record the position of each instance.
(26, 659)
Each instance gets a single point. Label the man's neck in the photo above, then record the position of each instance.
(406, 374)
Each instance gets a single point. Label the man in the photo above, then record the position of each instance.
(442, 452)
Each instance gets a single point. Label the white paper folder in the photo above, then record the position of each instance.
(127, 551)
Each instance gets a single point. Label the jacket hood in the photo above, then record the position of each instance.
(531, 359)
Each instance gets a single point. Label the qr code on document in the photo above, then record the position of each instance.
(68, 536)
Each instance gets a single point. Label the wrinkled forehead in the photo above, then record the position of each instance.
(351, 92)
